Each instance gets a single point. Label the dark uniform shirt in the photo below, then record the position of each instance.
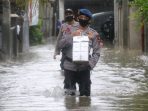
(65, 29)
(67, 42)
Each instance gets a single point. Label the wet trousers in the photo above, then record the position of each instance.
(80, 77)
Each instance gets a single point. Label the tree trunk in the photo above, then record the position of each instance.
(146, 38)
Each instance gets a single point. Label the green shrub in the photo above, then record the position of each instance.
(35, 34)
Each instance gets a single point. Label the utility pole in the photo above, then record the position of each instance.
(121, 23)
(6, 33)
(116, 24)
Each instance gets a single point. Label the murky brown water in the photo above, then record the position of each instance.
(35, 83)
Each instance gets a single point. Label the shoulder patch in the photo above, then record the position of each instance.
(93, 30)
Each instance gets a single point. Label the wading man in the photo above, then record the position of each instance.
(80, 72)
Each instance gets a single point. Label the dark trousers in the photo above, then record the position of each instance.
(80, 77)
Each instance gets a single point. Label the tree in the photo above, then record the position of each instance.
(142, 9)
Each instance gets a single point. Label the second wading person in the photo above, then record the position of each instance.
(80, 72)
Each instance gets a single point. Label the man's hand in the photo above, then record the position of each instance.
(101, 44)
(54, 56)
(90, 35)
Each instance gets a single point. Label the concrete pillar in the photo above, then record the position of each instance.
(116, 24)
(121, 23)
(61, 10)
(125, 23)
(51, 21)
(6, 36)
(118, 15)
(25, 39)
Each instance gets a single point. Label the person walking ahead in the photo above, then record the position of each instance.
(66, 29)
(80, 72)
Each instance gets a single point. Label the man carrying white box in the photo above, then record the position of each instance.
(79, 61)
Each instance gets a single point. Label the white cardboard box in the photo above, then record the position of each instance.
(80, 50)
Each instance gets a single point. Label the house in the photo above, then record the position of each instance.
(128, 33)
(11, 42)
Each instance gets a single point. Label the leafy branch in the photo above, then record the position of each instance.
(142, 9)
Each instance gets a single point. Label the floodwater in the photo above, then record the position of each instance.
(34, 82)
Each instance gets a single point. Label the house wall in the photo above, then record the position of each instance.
(135, 39)
(127, 33)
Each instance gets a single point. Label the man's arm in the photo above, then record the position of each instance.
(59, 37)
(66, 41)
(96, 53)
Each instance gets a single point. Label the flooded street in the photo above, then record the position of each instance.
(35, 83)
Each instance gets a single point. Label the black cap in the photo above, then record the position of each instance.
(69, 11)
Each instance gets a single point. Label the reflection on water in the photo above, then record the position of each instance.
(34, 83)
(82, 103)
